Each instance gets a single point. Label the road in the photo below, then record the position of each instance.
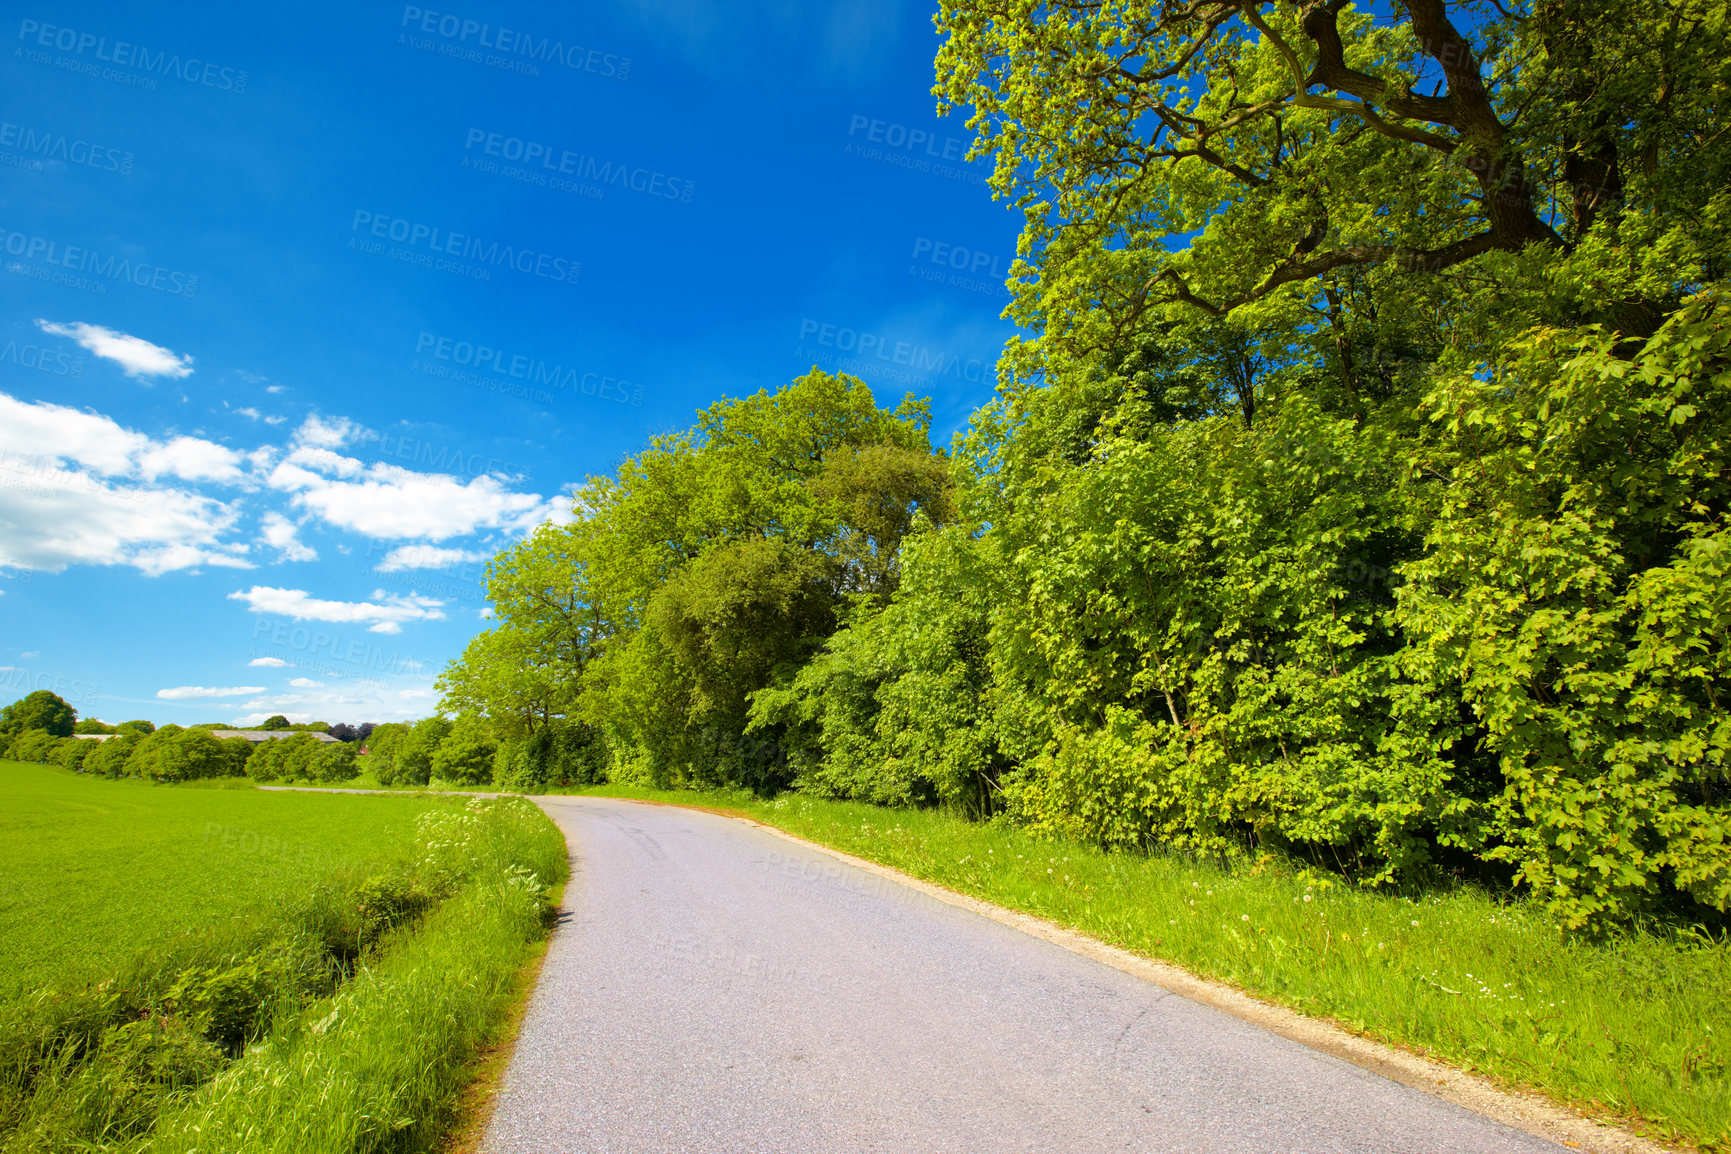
(716, 988)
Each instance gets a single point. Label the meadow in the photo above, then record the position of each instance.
(1633, 1027)
(260, 970)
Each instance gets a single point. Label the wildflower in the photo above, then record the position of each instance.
(1243, 917)
(1415, 921)
(1306, 897)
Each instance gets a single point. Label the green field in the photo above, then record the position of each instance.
(258, 970)
(96, 870)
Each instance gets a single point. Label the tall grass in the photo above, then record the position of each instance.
(1638, 1026)
(398, 958)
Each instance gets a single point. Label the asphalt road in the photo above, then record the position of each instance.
(717, 988)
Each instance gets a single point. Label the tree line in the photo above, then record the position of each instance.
(1357, 493)
(44, 728)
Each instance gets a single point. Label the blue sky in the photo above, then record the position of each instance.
(305, 311)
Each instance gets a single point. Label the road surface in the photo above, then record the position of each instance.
(716, 988)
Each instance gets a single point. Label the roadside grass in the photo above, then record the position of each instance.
(276, 990)
(1635, 1028)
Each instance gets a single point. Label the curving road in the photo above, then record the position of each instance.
(717, 988)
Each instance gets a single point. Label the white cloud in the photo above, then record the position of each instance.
(331, 434)
(384, 501)
(267, 663)
(253, 414)
(190, 692)
(71, 493)
(428, 557)
(137, 356)
(279, 533)
(304, 683)
(386, 612)
(191, 459)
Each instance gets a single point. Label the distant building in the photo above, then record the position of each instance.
(256, 735)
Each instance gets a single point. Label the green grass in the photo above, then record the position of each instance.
(1637, 1027)
(285, 970)
(96, 870)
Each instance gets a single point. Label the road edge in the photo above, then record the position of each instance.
(1529, 1113)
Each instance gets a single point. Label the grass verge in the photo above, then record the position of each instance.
(1634, 1028)
(342, 1013)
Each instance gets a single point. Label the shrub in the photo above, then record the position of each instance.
(333, 762)
(72, 754)
(465, 756)
(110, 758)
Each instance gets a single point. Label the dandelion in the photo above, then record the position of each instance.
(1306, 897)
(1243, 917)
(1415, 921)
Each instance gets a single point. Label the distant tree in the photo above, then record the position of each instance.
(36, 745)
(110, 758)
(383, 743)
(342, 731)
(40, 710)
(237, 751)
(92, 725)
(141, 728)
(465, 756)
(73, 753)
(365, 730)
(150, 758)
(414, 757)
(188, 755)
(334, 761)
(275, 721)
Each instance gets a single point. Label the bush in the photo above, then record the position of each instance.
(382, 745)
(237, 751)
(73, 753)
(413, 759)
(36, 745)
(148, 760)
(110, 758)
(284, 758)
(465, 756)
(333, 762)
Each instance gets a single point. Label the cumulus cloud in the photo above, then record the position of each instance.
(137, 356)
(279, 533)
(190, 692)
(79, 488)
(428, 557)
(305, 683)
(385, 613)
(253, 414)
(267, 663)
(385, 501)
(331, 434)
